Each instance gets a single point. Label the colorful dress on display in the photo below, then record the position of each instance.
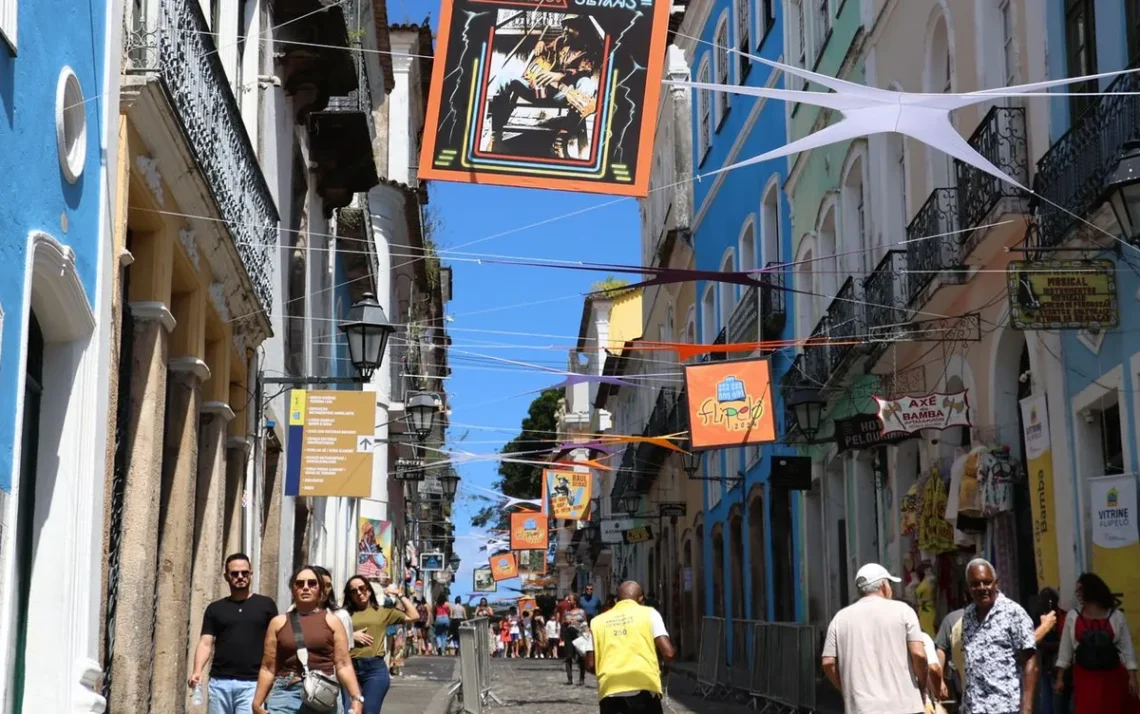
(924, 595)
(935, 533)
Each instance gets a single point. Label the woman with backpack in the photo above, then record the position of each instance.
(1097, 645)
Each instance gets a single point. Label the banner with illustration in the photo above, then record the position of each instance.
(568, 493)
(730, 404)
(1116, 542)
(373, 548)
(531, 561)
(529, 531)
(546, 94)
(1039, 468)
(484, 581)
(504, 566)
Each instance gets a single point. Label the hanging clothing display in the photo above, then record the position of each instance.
(969, 491)
(909, 507)
(935, 533)
(1001, 550)
(995, 482)
(925, 595)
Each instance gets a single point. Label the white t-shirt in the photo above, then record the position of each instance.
(870, 641)
(552, 629)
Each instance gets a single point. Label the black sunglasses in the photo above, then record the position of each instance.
(239, 573)
(311, 583)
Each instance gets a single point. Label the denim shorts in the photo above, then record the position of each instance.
(285, 697)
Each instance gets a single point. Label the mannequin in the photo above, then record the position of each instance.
(926, 593)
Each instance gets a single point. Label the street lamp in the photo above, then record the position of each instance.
(807, 405)
(449, 482)
(421, 413)
(1123, 188)
(367, 331)
(454, 562)
(691, 460)
(629, 503)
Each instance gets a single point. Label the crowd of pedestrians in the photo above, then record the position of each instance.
(317, 657)
(987, 658)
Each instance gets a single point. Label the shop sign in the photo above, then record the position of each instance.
(911, 414)
(641, 534)
(1062, 294)
(612, 528)
(862, 431)
(672, 509)
(730, 404)
(331, 440)
(1114, 511)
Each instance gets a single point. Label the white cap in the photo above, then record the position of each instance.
(871, 572)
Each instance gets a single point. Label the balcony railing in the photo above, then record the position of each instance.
(721, 339)
(1001, 139)
(181, 52)
(1073, 171)
(885, 295)
(844, 324)
(817, 361)
(744, 323)
(932, 242)
(773, 304)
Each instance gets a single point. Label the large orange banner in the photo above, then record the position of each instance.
(504, 566)
(730, 404)
(568, 493)
(529, 531)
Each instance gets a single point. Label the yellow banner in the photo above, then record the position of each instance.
(1116, 542)
(568, 493)
(1039, 464)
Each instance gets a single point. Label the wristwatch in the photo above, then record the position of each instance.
(358, 698)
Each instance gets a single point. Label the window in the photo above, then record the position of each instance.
(1007, 43)
(854, 221)
(1132, 17)
(8, 22)
(1111, 445)
(743, 38)
(748, 247)
(767, 17)
(727, 292)
(801, 41)
(721, 42)
(708, 316)
(939, 166)
(704, 112)
(770, 226)
(1080, 52)
(822, 26)
(70, 125)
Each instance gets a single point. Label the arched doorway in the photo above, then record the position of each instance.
(718, 570)
(757, 569)
(1022, 508)
(736, 557)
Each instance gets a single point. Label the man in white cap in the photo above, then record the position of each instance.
(874, 653)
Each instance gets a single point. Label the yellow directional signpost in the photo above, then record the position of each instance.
(332, 436)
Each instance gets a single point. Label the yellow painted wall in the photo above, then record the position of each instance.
(625, 320)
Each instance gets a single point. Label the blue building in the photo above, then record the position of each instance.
(741, 222)
(58, 125)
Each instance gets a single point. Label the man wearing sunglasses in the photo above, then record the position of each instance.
(233, 628)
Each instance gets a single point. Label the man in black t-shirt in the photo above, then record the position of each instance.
(234, 629)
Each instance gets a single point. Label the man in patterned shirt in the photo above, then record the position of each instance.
(998, 644)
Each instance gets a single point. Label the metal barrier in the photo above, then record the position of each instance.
(474, 685)
(773, 662)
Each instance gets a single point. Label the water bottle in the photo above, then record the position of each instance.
(197, 698)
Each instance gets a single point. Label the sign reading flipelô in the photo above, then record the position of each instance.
(730, 403)
(558, 94)
(331, 439)
(910, 414)
(1062, 294)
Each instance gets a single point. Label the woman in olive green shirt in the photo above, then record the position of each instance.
(370, 624)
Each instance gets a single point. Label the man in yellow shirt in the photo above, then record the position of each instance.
(622, 651)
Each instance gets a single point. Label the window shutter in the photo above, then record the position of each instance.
(8, 21)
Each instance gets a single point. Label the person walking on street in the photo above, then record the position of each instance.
(233, 629)
(1048, 645)
(622, 651)
(573, 624)
(874, 653)
(1097, 645)
(552, 634)
(458, 615)
(370, 623)
(484, 610)
(590, 602)
(320, 633)
(442, 625)
(949, 656)
(998, 647)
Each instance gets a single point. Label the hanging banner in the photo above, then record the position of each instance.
(1039, 465)
(1116, 544)
(504, 566)
(546, 94)
(730, 404)
(529, 532)
(910, 414)
(1062, 294)
(568, 493)
(373, 547)
(331, 437)
(484, 581)
(640, 534)
(531, 561)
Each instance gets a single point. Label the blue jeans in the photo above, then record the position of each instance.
(1048, 701)
(231, 696)
(285, 698)
(442, 627)
(372, 675)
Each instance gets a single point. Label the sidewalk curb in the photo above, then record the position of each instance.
(442, 702)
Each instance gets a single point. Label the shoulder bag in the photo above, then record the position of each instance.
(319, 691)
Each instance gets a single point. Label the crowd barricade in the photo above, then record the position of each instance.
(474, 686)
(776, 663)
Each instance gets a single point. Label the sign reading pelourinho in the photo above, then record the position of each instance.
(730, 404)
(931, 411)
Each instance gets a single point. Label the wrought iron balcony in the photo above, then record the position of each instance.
(1073, 171)
(1001, 139)
(721, 339)
(817, 355)
(318, 64)
(885, 295)
(773, 301)
(932, 242)
(179, 49)
(844, 325)
(792, 380)
(744, 323)
(341, 143)
(666, 418)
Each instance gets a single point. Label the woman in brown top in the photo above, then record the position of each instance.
(325, 640)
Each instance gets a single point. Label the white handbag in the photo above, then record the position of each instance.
(319, 691)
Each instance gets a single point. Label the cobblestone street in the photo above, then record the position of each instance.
(534, 686)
